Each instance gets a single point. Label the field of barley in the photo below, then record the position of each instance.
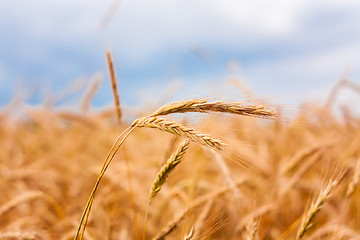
(195, 169)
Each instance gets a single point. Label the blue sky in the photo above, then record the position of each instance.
(293, 49)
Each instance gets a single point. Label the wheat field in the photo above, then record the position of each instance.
(240, 172)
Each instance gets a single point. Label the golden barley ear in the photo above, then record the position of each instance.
(204, 106)
(180, 130)
(167, 168)
(114, 86)
(314, 209)
(251, 229)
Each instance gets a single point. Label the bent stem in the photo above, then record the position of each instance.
(84, 218)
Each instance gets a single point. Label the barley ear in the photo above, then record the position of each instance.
(169, 166)
(314, 209)
(202, 105)
(251, 229)
(180, 130)
(114, 86)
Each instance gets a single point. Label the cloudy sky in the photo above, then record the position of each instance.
(292, 49)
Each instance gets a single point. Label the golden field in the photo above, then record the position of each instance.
(272, 178)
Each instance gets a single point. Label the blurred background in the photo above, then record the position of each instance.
(293, 50)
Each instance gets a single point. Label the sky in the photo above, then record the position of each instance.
(292, 50)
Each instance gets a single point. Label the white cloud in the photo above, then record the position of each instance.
(142, 29)
(327, 62)
(305, 76)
